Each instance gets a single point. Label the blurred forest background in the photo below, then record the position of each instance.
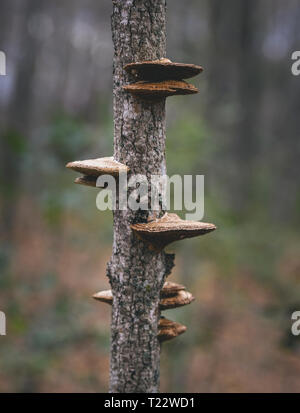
(241, 131)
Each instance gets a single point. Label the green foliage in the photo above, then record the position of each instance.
(14, 141)
(187, 144)
(68, 137)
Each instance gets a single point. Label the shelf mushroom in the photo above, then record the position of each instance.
(179, 299)
(163, 69)
(104, 296)
(170, 288)
(162, 89)
(93, 168)
(157, 79)
(168, 329)
(158, 233)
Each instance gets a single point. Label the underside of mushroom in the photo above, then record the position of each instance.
(162, 69)
(168, 329)
(158, 233)
(93, 168)
(161, 89)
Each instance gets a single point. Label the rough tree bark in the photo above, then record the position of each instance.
(136, 274)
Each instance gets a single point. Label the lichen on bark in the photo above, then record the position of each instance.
(136, 274)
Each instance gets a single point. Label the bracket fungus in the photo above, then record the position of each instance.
(178, 299)
(92, 168)
(158, 233)
(168, 329)
(163, 69)
(169, 289)
(104, 296)
(153, 90)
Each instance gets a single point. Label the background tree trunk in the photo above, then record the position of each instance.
(136, 274)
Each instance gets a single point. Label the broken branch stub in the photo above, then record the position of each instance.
(98, 166)
(160, 232)
(168, 329)
(158, 90)
(163, 69)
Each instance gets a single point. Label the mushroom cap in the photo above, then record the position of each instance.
(98, 166)
(180, 299)
(161, 89)
(168, 329)
(159, 233)
(162, 69)
(169, 289)
(104, 296)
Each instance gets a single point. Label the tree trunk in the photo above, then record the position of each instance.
(136, 274)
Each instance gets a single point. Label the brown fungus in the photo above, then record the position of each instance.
(158, 233)
(87, 180)
(178, 300)
(104, 296)
(98, 166)
(169, 289)
(158, 90)
(162, 69)
(168, 329)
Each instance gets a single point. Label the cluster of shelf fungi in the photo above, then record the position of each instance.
(153, 80)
